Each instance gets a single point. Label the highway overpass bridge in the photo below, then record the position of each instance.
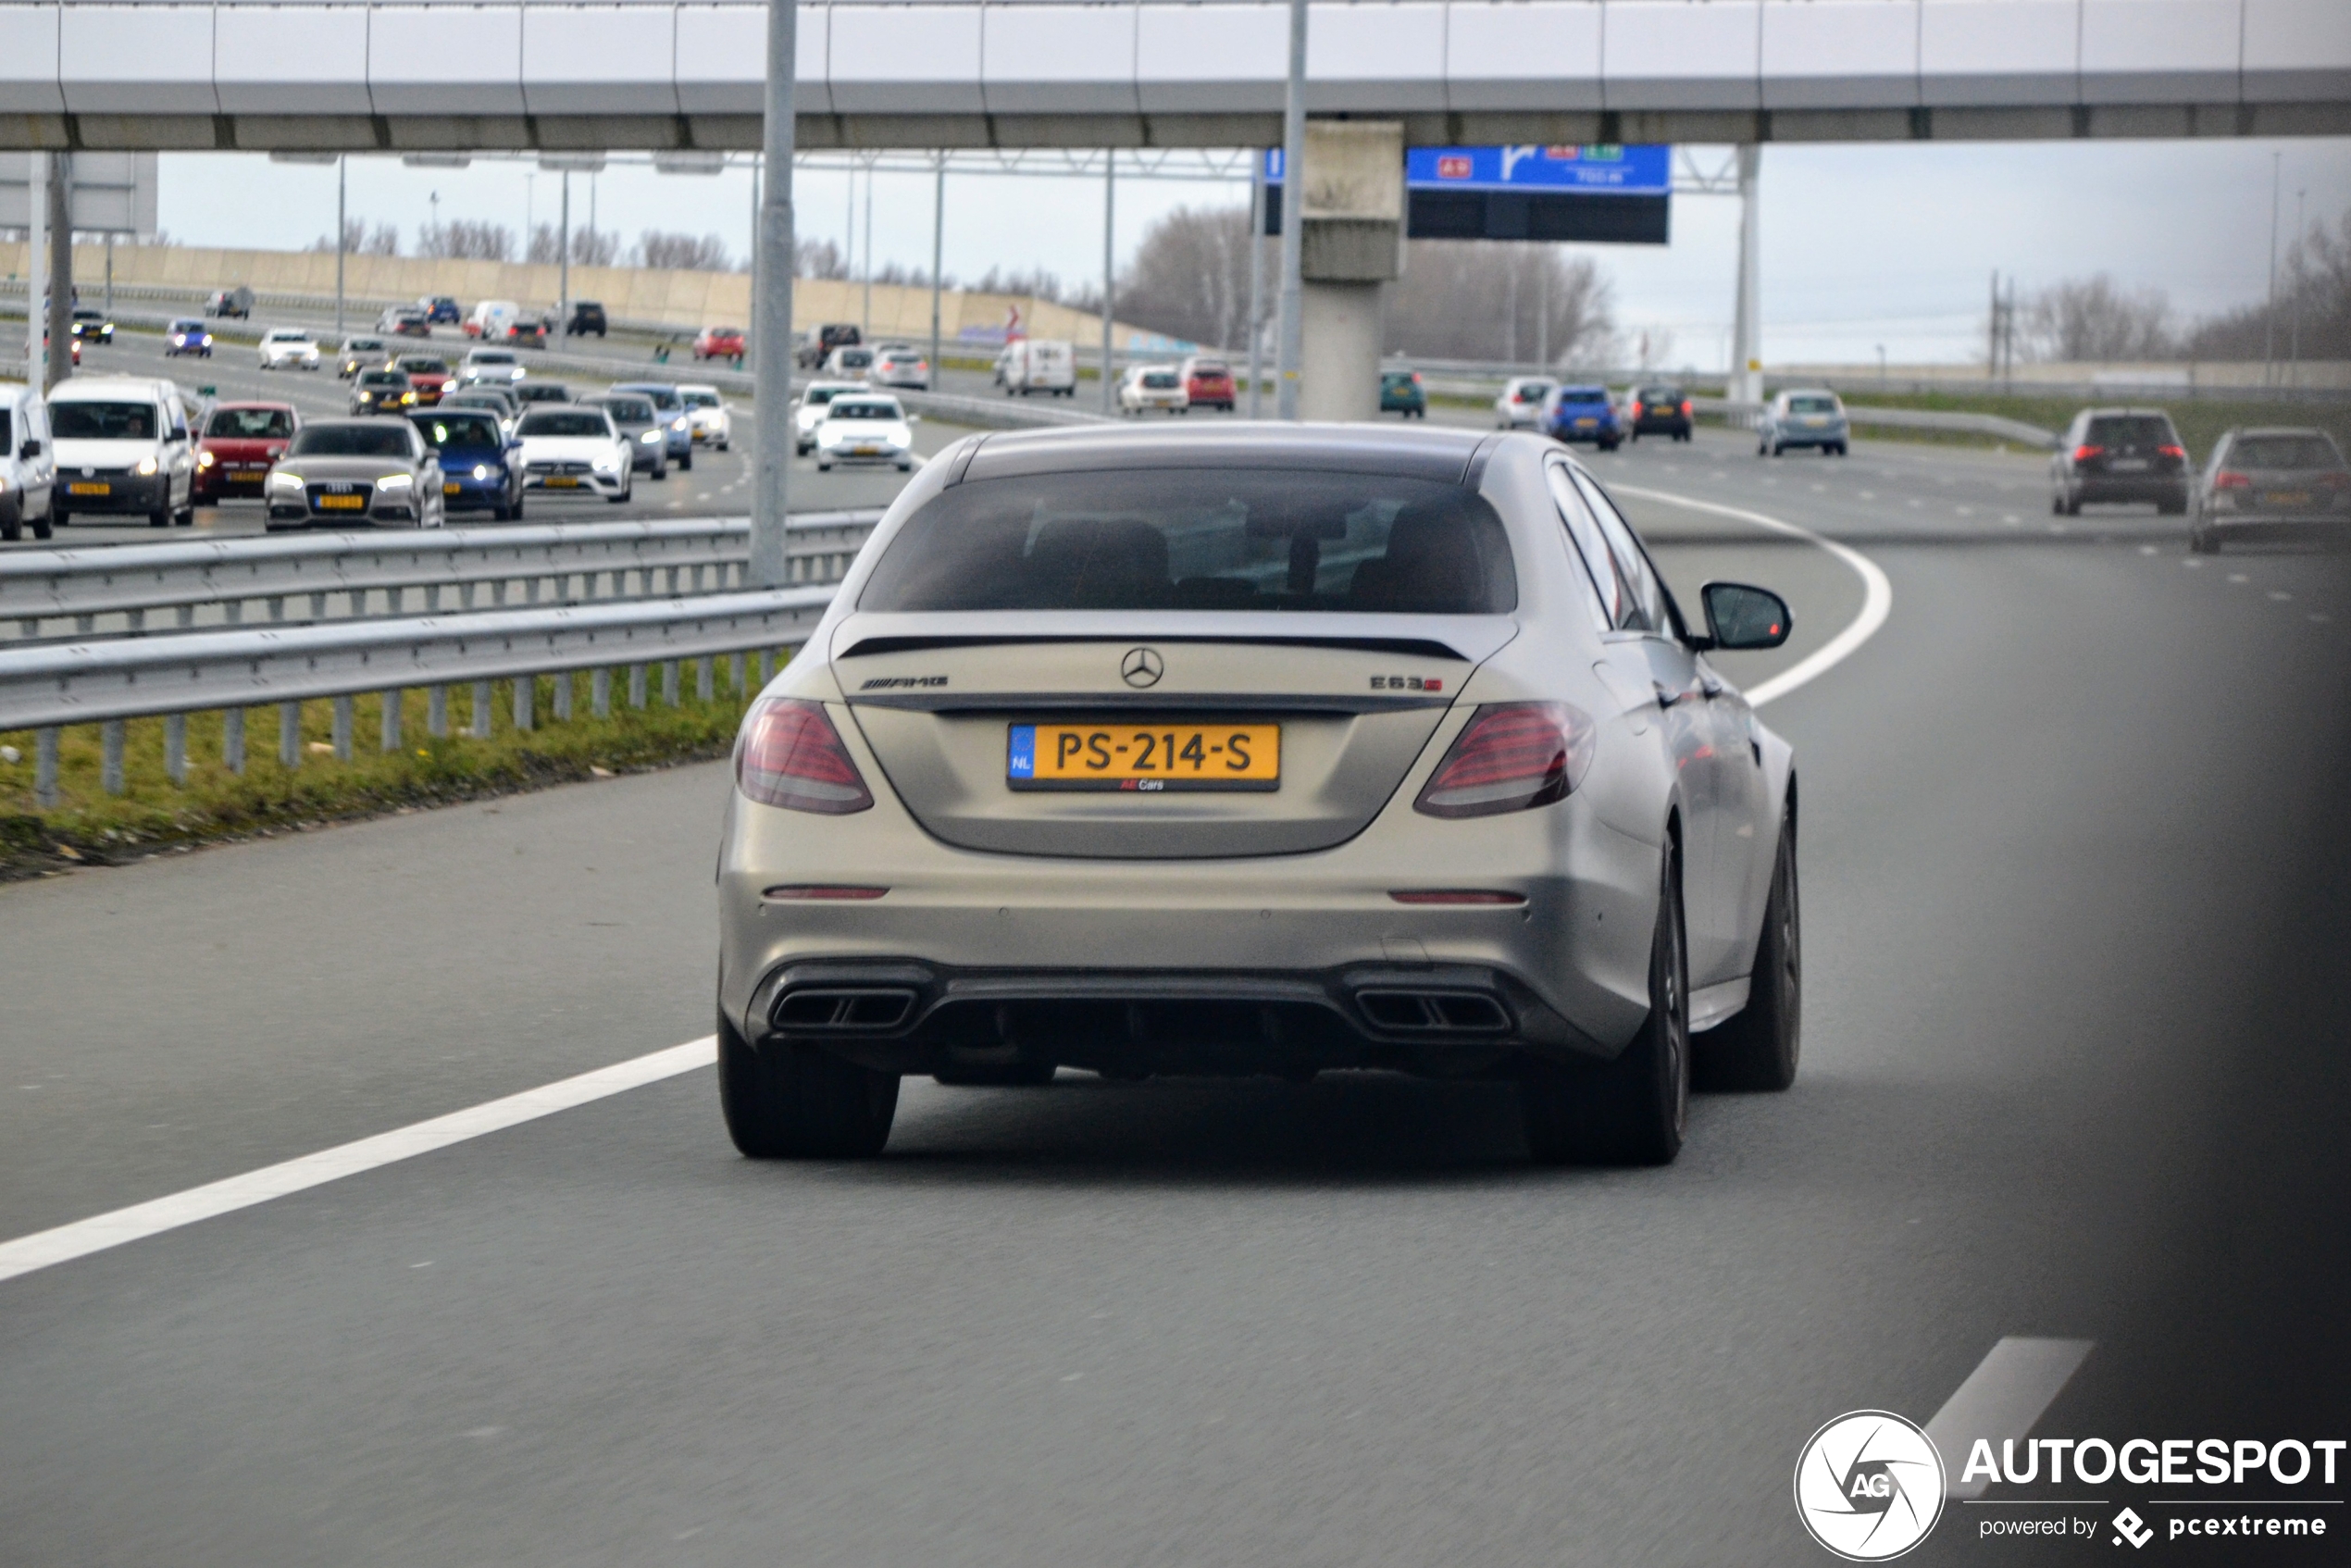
(456, 75)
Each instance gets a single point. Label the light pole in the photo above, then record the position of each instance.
(1256, 276)
(343, 237)
(2269, 315)
(528, 233)
(771, 327)
(1109, 263)
(866, 331)
(937, 261)
(1293, 329)
(435, 244)
(563, 261)
(2294, 354)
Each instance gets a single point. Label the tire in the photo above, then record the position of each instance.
(1017, 1075)
(185, 518)
(11, 530)
(2073, 505)
(1761, 450)
(1778, 451)
(794, 1104)
(1841, 449)
(823, 467)
(159, 519)
(686, 464)
(1631, 1110)
(1757, 1048)
(2057, 504)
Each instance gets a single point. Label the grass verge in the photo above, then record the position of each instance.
(89, 827)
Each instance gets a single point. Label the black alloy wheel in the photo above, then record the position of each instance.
(1635, 1110)
(1757, 1048)
(792, 1103)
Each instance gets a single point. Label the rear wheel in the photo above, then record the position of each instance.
(790, 1103)
(1631, 1110)
(1756, 1048)
(159, 519)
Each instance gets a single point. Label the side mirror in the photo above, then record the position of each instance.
(30, 449)
(1738, 616)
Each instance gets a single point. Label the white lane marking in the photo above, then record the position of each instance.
(2002, 1397)
(99, 1232)
(1877, 595)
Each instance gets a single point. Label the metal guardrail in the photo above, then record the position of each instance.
(570, 559)
(110, 682)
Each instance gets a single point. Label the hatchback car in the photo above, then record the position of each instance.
(1260, 750)
(497, 402)
(240, 443)
(809, 411)
(854, 360)
(356, 473)
(2119, 454)
(586, 316)
(1520, 404)
(441, 308)
(1208, 383)
(289, 348)
(2273, 484)
(901, 368)
(404, 321)
(866, 429)
(574, 450)
(678, 425)
(186, 335)
(1657, 410)
(477, 457)
(1146, 387)
(719, 343)
(1809, 418)
(1583, 413)
(360, 354)
(1401, 391)
(381, 392)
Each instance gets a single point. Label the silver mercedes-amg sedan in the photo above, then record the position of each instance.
(1269, 750)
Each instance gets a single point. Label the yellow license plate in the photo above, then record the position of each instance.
(343, 503)
(1144, 757)
(562, 482)
(90, 490)
(448, 488)
(2288, 498)
(865, 451)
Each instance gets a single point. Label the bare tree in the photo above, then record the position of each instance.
(547, 246)
(819, 258)
(594, 248)
(2089, 320)
(358, 240)
(1191, 277)
(466, 239)
(686, 252)
(2314, 290)
(1040, 284)
(1482, 299)
(382, 240)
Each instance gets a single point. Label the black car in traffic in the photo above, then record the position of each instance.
(2119, 454)
(586, 316)
(1658, 411)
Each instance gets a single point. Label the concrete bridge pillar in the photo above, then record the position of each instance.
(1351, 186)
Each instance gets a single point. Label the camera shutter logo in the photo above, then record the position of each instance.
(1869, 1486)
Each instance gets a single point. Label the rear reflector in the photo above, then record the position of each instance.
(791, 757)
(821, 891)
(1513, 755)
(1455, 895)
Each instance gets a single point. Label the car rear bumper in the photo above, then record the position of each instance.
(216, 485)
(2130, 487)
(2280, 526)
(1661, 424)
(1601, 432)
(151, 493)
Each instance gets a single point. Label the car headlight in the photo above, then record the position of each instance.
(208, 340)
(146, 466)
(607, 465)
(204, 459)
(283, 479)
(481, 470)
(650, 436)
(396, 481)
(678, 423)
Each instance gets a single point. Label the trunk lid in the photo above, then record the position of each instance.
(1355, 698)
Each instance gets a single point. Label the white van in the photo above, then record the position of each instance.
(27, 463)
(491, 319)
(1036, 365)
(122, 446)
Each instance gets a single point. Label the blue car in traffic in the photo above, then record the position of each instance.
(1574, 413)
(677, 420)
(478, 468)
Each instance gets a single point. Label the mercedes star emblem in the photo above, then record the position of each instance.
(1142, 666)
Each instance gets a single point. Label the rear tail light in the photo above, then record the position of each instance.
(2335, 482)
(2084, 453)
(1686, 407)
(2179, 452)
(2228, 478)
(1513, 755)
(791, 757)
(1636, 410)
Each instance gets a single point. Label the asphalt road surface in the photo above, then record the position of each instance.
(2075, 860)
(719, 482)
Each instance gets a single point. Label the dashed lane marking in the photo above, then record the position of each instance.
(2007, 1392)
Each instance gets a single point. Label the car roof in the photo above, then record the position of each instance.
(106, 386)
(2281, 431)
(272, 407)
(1440, 454)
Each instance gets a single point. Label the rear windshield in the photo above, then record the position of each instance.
(630, 410)
(1161, 380)
(1814, 404)
(2131, 429)
(445, 431)
(542, 391)
(1583, 394)
(855, 356)
(250, 423)
(2283, 452)
(1200, 538)
(660, 397)
(819, 396)
(419, 367)
(1205, 367)
(492, 357)
(374, 439)
(862, 410)
(1533, 391)
(102, 421)
(565, 422)
(1660, 395)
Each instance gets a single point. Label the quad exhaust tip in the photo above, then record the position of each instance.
(1433, 1013)
(838, 1009)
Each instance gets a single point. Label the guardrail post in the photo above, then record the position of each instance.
(465, 596)
(185, 615)
(317, 606)
(564, 679)
(84, 624)
(138, 619)
(276, 606)
(432, 598)
(346, 716)
(670, 682)
(735, 674)
(233, 612)
(481, 710)
(392, 700)
(599, 694)
(45, 767)
(290, 735)
(526, 696)
(393, 597)
(110, 737)
(175, 747)
(359, 601)
(705, 678)
(232, 740)
(636, 686)
(437, 712)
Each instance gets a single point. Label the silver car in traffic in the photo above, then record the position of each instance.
(1270, 750)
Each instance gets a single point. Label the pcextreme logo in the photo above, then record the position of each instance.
(1869, 1486)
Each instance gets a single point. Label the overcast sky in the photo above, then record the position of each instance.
(1864, 246)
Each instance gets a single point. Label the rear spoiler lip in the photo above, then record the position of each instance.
(1406, 647)
(1097, 702)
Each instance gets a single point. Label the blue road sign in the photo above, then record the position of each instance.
(1585, 170)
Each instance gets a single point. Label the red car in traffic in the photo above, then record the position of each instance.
(240, 441)
(719, 343)
(1208, 383)
(428, 373)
